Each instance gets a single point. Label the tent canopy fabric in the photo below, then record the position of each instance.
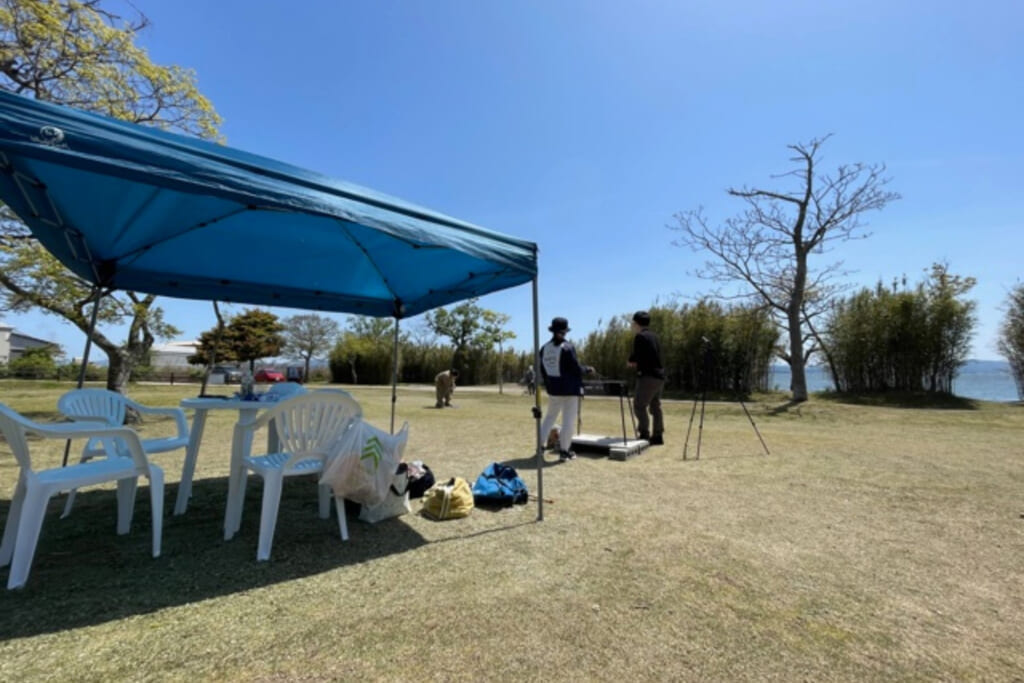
(134, 208)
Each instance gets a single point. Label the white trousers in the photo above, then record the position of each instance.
(568, 407)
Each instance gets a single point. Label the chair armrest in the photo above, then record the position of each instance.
(177, 413)
(88, 430)
(261, 421)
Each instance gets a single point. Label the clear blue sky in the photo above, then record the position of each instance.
(585, 125)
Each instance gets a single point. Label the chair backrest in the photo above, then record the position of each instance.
(310, 424)
(283, 390)
(13, 425)
(97, 404)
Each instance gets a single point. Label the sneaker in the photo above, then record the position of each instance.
(656, 440)
(566, 455)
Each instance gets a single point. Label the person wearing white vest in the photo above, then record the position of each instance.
(563, 380)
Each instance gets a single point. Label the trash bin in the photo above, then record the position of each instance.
(293, 373)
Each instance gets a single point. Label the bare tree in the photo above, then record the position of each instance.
(768, 245)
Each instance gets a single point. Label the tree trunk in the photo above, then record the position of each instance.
(500, 369)
(797, 364)
(118, 372)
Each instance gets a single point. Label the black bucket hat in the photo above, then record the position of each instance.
(559, 325)
(642, 318)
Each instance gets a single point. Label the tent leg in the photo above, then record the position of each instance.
(394, 377)
(98, 294)
(536, 405)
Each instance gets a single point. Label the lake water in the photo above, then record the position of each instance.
(986, 380)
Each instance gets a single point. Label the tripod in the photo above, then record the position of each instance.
(702, 396)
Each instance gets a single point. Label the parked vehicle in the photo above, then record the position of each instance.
(231, 375)
(268, 375)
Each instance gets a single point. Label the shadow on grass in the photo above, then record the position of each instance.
(896, 399)
(529, 462)
(85, 574)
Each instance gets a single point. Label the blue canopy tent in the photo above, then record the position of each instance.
(128, 207)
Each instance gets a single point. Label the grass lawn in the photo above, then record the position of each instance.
(874, 543)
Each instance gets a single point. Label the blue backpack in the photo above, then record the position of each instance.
(499, 485)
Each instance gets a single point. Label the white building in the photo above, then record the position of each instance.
(13, 344)
(172, 354)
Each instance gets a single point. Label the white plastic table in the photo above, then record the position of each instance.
(247, 413)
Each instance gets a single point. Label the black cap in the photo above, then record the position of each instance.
(642, 318)
(559, 325)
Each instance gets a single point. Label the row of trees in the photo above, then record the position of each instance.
(84, 55)
(364, 351)
(910, 340)
(704, 346)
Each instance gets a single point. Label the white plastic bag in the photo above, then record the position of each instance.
(364, 462)
(395, 503)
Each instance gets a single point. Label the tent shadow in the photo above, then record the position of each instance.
(85, 574)
(530, 462)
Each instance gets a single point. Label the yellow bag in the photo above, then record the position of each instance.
(448, 500)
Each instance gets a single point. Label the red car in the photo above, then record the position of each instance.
(268, 375)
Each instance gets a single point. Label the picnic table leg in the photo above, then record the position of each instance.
(238, 475)
(188, 469)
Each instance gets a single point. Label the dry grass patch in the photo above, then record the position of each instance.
(873, 543)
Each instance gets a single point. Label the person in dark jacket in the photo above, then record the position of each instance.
(650, 379)
(563, 380)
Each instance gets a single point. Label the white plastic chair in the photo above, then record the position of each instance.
(307, 426)
(110, 407)
(283, 390)
(35, 487)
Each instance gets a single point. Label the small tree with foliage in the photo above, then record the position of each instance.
(308, 335)
(1011, 336)
(36, 363)
(247, 337)
(364, 352)
(461, 325)
(492, 331)
(256, 334)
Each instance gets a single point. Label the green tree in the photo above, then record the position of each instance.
(364, 352)
(768, 246)
(308, 335)
(79, 54)
(255, 334)
(35, 363)
(461, 325)
(492, 331)
(1011, 336)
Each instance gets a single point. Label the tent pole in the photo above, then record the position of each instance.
(536, 405)
(98, 294)
(394, 377)
(88, 336)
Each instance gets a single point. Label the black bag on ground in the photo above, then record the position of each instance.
(420, 479)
